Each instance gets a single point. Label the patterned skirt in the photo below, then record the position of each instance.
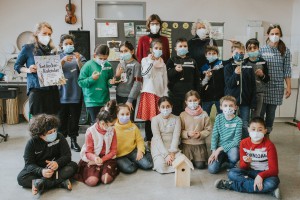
(148, 106)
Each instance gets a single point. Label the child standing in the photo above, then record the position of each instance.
(183, 75)
(47, 157)
(196, 127)
(166, 129)
(240, 83)
(95, 79)
(97, 154)
(70, 93)
(155, 82)
(212, 76)
(226, 136)
(260, 69)
(258, 172)
(128, 77)
(131, 153)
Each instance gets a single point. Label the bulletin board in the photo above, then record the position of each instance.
(115, 32)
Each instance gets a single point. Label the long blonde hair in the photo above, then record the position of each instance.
(37, 30)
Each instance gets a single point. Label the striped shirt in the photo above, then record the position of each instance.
(279, 69)
(226, 133)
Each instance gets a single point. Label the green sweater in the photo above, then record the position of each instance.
(95, 92)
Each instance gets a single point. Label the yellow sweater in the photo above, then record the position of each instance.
(128, 138)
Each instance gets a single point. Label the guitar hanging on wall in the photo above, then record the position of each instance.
(70, 18)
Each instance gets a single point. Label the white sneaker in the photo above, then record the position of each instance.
(276, 193)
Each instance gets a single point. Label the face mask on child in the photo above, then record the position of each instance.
(182, 51)
(166, 111)
(211, 58)
(202, 33)
(51, 137)
(228, 111)
(68, 48)
(256, 136)
(253, 54)
(44, 39)
(274, 38)
(238, 57)
(193, 105)
(125, 56)
(100, 62)
(154, 29)
(124, 119)
(157, 53)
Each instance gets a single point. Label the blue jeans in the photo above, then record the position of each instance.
(93, 112)
(269, 110)
(128, 163)
(245, 116)
(208, 104)
(232, 156)
(246, 184)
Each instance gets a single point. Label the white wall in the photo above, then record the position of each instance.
(18, 16)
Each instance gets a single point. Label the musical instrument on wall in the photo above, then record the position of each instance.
(70, 18)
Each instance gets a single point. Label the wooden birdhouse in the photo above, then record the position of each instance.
(183, 168)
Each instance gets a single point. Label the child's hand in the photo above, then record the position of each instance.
(98, 161)
(191, 133)
(258, 182)
(139, 155)
(47, 173)
(238, 70)
(32, 69)
(247, 159)
(52, 165)
(197, 135)
(112, 81)
(169, 160)
(95, 75)
(152, 56)
(77, 56)
(259, 73)
(67, 58)
(119, 70)
(208, 74)
(178, 68)
(130, 106)
(172, 154)
(214, 156)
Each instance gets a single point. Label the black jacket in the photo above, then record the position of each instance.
(242, 87)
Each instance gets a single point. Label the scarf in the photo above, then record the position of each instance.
(195, 112)
(157, 35)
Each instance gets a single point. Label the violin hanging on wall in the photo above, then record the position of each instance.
(70, 18)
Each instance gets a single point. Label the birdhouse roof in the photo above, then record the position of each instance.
(182, 158)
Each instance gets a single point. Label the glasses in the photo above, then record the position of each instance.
(275, 25)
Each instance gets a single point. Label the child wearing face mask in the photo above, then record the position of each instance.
(212, 76)
(155, 82)
(240, 82)
(131, 153)
(195, 128)
(260, 69)
(166, 129)
(70, 93)
(153, 25)
(258, 172)
(226, 137)
(47, 157)
(183, 75)
(95, 79)
(98, 163)
(128, 77)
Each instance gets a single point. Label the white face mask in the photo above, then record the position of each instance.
(154, 29)
(202, 33)
(228, 111)
(256, 136)
(44, 39)
(166, 111)
(274, 38)
(192, 105)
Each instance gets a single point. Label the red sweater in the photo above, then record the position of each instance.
(143, 47)
(90, 146)
(264, 157)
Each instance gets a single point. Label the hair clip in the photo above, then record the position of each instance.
(106, 109)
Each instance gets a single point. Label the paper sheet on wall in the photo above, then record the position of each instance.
(49, 70)
(114, 53)
(107, 29)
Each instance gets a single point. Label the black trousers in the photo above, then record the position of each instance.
(178, 103)
(93, 112)
(25, 177)
(44, 101)
(69, 115)
(124, 100)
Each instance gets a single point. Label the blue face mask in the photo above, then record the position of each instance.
(211, 58)
(125, 56)
(51, 137)
(254, 54)
(238, 57)
(124, 119)
(68, 48)
(157, 53)
(100, 62)
(182, 51)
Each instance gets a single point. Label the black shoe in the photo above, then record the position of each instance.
(223, 184)
(74, 144)
(66, 185)
(38, 185)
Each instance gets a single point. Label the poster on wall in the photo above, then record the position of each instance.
(107, 29)
(140, 30)
(49, 70)
(114, 50)
(129, 29)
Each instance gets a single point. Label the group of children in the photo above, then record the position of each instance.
(171, 108)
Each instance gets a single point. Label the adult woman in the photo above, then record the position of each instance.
(278, 58)
(153, 24)
(45, 99)
(201, 30)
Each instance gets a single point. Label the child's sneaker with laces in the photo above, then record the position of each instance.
(223, 184)
(276, 193)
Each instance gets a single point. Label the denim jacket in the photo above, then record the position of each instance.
(26, 56)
